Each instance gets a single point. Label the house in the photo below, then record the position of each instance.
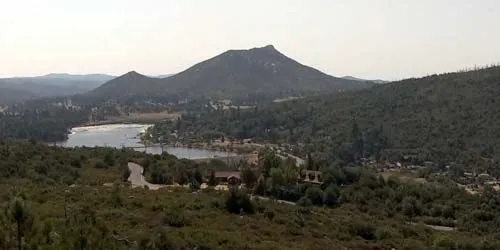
(247, 140)
(484, 177)
(225, 102)
(310, 176)
(230, 178)
(468, 174)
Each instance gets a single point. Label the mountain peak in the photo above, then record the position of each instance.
(234, 73)
(270, 46)
(127, 84)
(267, 49)
(132, 73)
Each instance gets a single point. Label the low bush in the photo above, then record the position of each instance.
(238, 201)
(176, 218)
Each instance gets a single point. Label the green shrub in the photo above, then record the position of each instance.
(159, 240)
(444, 242)
(330, 196)
(269, 214)
(176, 218)
(126, 174)
(76, 163)
(238, 201)
(363, 230)
(100, 164)
(304, 202)
(315, 195)
(215, 204)
(385, 233)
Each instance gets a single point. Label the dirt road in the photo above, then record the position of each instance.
(137, 179)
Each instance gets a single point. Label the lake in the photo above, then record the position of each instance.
(127, 135)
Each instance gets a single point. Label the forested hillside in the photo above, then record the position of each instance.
(444, 118)
(43, 124)
(8, 96)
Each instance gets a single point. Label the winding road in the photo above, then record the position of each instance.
(137, 179)
(298, 161)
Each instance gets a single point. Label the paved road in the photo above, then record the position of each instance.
(253, 197)
(137, 179)
(298, 161)
(438, 228)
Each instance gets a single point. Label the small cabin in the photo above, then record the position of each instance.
(309, 176)
(229, 178)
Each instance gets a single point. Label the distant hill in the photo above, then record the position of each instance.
(163, 76)
(101, 78)
(234, 73)
(130, 84)
(377, 81)
(51, 85)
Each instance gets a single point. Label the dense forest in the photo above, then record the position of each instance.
(58, 198)
(443, 118)
(44, 124)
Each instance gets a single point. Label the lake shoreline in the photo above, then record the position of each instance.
(124, 135)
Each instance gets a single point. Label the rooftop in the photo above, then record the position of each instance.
(227, 174)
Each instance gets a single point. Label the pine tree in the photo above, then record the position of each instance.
(310, 163)
(357, 142)
(20, 214)
(212, 181)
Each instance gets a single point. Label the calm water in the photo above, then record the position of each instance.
(127, 135)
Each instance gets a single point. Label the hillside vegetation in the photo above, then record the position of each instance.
(48, 124)
(8, 95)
(442, 118)
(54, 198)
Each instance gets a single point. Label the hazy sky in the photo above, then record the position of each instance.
(387, 39)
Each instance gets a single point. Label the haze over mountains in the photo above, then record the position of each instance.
(378, 81)
(61, 84)
(234, 73)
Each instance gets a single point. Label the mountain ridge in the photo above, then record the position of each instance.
(50, 85)
(378, 81)
(234, 73)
